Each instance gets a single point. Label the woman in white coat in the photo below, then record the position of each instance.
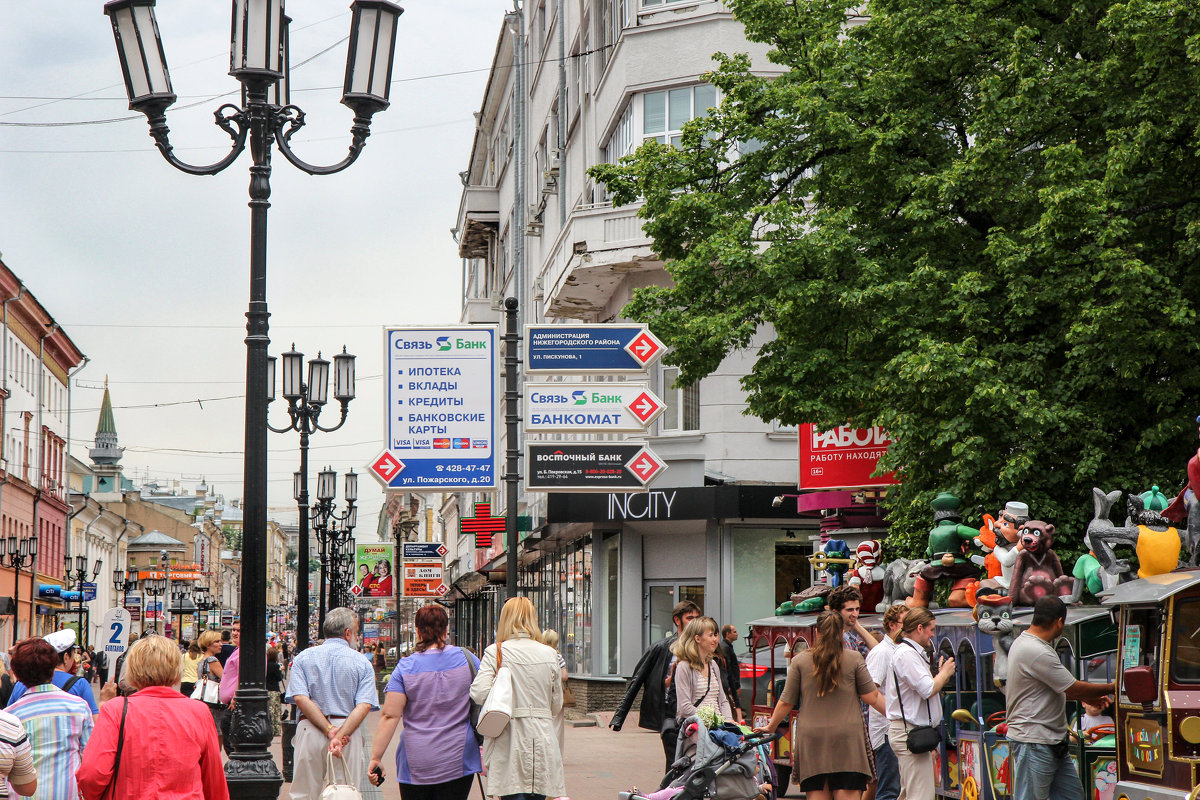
(524, 761)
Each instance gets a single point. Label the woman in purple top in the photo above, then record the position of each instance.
(437, 755)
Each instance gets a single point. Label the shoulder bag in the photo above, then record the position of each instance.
(207, 689)
(112, 786)
(338, 791)
(921, 738)
(475, 707)
(496, 712)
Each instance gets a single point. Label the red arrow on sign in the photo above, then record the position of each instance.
(441, 589)
(645, 407)
(645, 347)
(645, 466)
(387, 467)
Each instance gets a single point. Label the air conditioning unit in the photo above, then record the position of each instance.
(549, 181)
(533, 228)
(539, 292)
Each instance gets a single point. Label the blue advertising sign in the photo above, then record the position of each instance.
(424, 550)
(89, 591)
(49, 590)
(441, 405)
(604, 349)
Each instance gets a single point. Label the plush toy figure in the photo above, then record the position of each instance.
(986, 541)
(1038, 572)
(993, 616)
(947, 551)
(1087, 574)
(899, 582)
(836, 549)
(868, 574)
(1008, 539)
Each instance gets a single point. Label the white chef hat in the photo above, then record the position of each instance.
(62, 641)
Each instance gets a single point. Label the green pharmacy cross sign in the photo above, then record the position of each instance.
(483, 525)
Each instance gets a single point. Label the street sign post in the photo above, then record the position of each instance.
(424, 551)
(440, 406)
(424, 579)
(595, 349)
(590, 466)
(590, 407)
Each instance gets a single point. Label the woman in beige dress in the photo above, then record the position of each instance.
(829, 747)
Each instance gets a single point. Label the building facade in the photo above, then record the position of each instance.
(37, 360)
(573, 85)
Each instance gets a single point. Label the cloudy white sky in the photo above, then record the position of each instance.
(147, 268)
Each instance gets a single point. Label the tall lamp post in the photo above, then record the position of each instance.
(123, 582)
(259, 62)
(21, 554)
(77, 578)
(333, 534)
(305, 401)
(156, 588)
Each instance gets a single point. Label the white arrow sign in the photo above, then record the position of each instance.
(590, 407)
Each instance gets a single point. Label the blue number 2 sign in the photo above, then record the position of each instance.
(116, 622)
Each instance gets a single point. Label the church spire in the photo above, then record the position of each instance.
(106, 450)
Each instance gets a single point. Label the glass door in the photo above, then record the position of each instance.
(661, 598)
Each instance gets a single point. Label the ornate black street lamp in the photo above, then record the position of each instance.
(76, 578)
(333, 534)
(305, 401)
(123, 582)
(156, 588)
(266, 118)
(21, 554)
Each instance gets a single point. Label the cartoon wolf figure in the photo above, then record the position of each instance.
(993, 616)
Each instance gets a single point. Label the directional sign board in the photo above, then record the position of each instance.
(440, 403)
(596, 349)
(424, 550)
(424, 579)
(590, 407)
(590, 466)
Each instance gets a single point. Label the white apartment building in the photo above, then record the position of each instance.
(575, 83)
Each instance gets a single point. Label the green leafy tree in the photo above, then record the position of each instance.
(974, 223)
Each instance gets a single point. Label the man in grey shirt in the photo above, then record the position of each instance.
(1038, 689)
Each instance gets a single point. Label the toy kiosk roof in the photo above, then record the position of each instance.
(1154, 589)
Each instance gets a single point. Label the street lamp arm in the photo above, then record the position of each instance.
(340, 422)
(293, 118)
(225, 118)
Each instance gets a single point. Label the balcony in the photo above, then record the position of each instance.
(597, 249)
(478, 220)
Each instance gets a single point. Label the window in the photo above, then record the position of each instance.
(1141, 639)
(1185, 641)
(683, 403)
(664, 113)
(621, 142)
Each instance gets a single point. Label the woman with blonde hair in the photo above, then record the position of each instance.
(524, 762)
(550, 639)
(698, 680)
(828, 681)
(210, 667)
(138, 725)
(191, 663)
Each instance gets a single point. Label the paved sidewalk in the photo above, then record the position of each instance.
(598, 762)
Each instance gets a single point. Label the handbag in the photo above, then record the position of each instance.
(206, 690)
(568, 695)
(496, 712)
(112, 786)
(921, 738)
(338, 791)
(475, 707)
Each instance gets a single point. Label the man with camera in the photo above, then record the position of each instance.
(1037, 692)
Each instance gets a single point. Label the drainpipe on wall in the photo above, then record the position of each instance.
(4, 409)
(562, 116)
(67, 456)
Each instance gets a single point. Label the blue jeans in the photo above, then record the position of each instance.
(887, 773)
(1038, 775)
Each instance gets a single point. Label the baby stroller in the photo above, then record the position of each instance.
(727, 765)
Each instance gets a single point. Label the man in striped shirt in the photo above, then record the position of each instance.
(16, 759)
(58, 724)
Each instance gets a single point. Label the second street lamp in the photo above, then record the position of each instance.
(266, 119)
(78, 578)
(305, 401)
(21, 554)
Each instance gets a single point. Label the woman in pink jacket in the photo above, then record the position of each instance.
(169, 747)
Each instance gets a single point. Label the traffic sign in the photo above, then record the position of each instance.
(590, 466)
(424, 579)
(424, 550)
(440, 403)
(590, 407)
(597, 349)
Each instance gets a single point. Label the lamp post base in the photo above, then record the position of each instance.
(251, 772)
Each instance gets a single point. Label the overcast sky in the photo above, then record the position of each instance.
(147, 268)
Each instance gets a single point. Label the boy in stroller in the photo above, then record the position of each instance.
(727, 765)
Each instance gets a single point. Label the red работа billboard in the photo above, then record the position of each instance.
(842, 458)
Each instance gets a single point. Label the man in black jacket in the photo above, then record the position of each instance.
(651, 676)
(733, 669)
